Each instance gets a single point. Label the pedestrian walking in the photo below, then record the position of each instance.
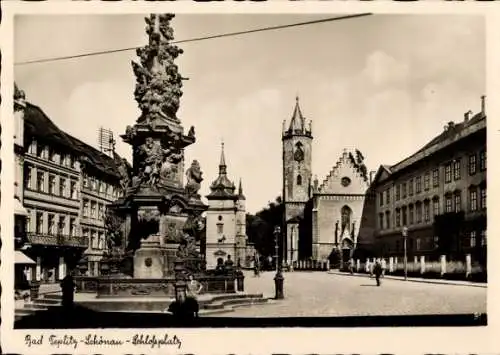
(193, 290)
(256, 266)
(384, 266)
(68, 290)
(377, 270)
(351, 266)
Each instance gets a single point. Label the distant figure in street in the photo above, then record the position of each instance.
(228, 264)
(193, 290)
(377, 270)
(68, 290)
(351, 266)
(384, 266)
(371, 267)
(256, 265)
(220, 269)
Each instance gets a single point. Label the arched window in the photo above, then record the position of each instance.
(299, 180)
(346, 214)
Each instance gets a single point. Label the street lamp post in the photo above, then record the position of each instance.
(277, 231)
(278, 279)
(405, 237)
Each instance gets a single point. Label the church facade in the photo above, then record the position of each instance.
(324, 219)
(225, 220)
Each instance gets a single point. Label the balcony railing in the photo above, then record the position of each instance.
(58, 240)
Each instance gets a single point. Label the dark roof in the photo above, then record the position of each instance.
(38, 124)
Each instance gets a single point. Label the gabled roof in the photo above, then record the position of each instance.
(38, 125)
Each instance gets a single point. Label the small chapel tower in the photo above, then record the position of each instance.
(297, 159)
(221, 217)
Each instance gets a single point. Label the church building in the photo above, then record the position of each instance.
(225, 220)
(321, 219)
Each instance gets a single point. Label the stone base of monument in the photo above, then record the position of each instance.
(150, 260)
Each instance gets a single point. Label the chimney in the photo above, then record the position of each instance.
(483, 105)
(372, 175)
(467, 115)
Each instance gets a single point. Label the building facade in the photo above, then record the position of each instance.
(325, 219)
(438, 194)
(225, 220)
(54, 194)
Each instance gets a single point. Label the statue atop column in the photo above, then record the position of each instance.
(194, 179)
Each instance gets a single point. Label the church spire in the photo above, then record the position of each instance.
(297, 122)
(222, 164)
(240, 191)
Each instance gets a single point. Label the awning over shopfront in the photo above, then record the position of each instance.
(19, 209)
(23, 259)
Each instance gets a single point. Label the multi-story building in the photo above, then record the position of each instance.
(438, 194)
(225, 220)
(55, 196)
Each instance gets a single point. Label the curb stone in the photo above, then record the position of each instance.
(429, 281)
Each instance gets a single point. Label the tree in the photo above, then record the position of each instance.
(260, 227)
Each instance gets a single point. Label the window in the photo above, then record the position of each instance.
(482, 198)
(404, 190)
(405, 219)
(220, 228)
(62, 187)
(52, 224)
(482, 160)
(40, 152)
(388, 196)
(32, 147)
(456, 170)
(448, 204)
(435, 207)
(473, 200)
(52, 184)
(72, 161)
(72, 227)
(74, 191)
(418, 184)
(388, 219)
(102, 188)
(93, 209)
(40, 181)
(418, 208)
(410, 214)
(93, 183)
(427, 181)
(418, 243)
(100, 210)
(472, 239)
(427, 211)
(447, 173)
(398, 192)
(39, 222)
(398, 217)
(85, 208)
(86, 182)
(483, 238)
(381, 198)
(28, 221)
(436, 242)
(299, 180)
(62, 225)
(381, 220)
(458, 201)
(410, 187)
(435, 177)
(472, 164)
(27, 178)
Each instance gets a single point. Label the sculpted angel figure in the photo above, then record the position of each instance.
(151, 156)
(124, 170)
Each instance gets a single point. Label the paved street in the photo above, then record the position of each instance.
(321, 294)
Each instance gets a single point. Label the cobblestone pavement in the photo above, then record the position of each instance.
(321, 294)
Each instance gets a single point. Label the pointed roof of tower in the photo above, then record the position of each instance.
(298, 122)
(222, 186)
(240, 192)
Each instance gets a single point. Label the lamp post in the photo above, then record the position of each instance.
(277, 232)
(278, 279)
(405, 237)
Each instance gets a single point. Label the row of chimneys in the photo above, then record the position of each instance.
(468, 114)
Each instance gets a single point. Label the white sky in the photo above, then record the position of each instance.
(384, 84)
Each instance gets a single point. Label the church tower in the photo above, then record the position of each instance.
(241, 238)
(221, 217)
(297, 160)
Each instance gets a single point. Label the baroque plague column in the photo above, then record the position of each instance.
(159, 218)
